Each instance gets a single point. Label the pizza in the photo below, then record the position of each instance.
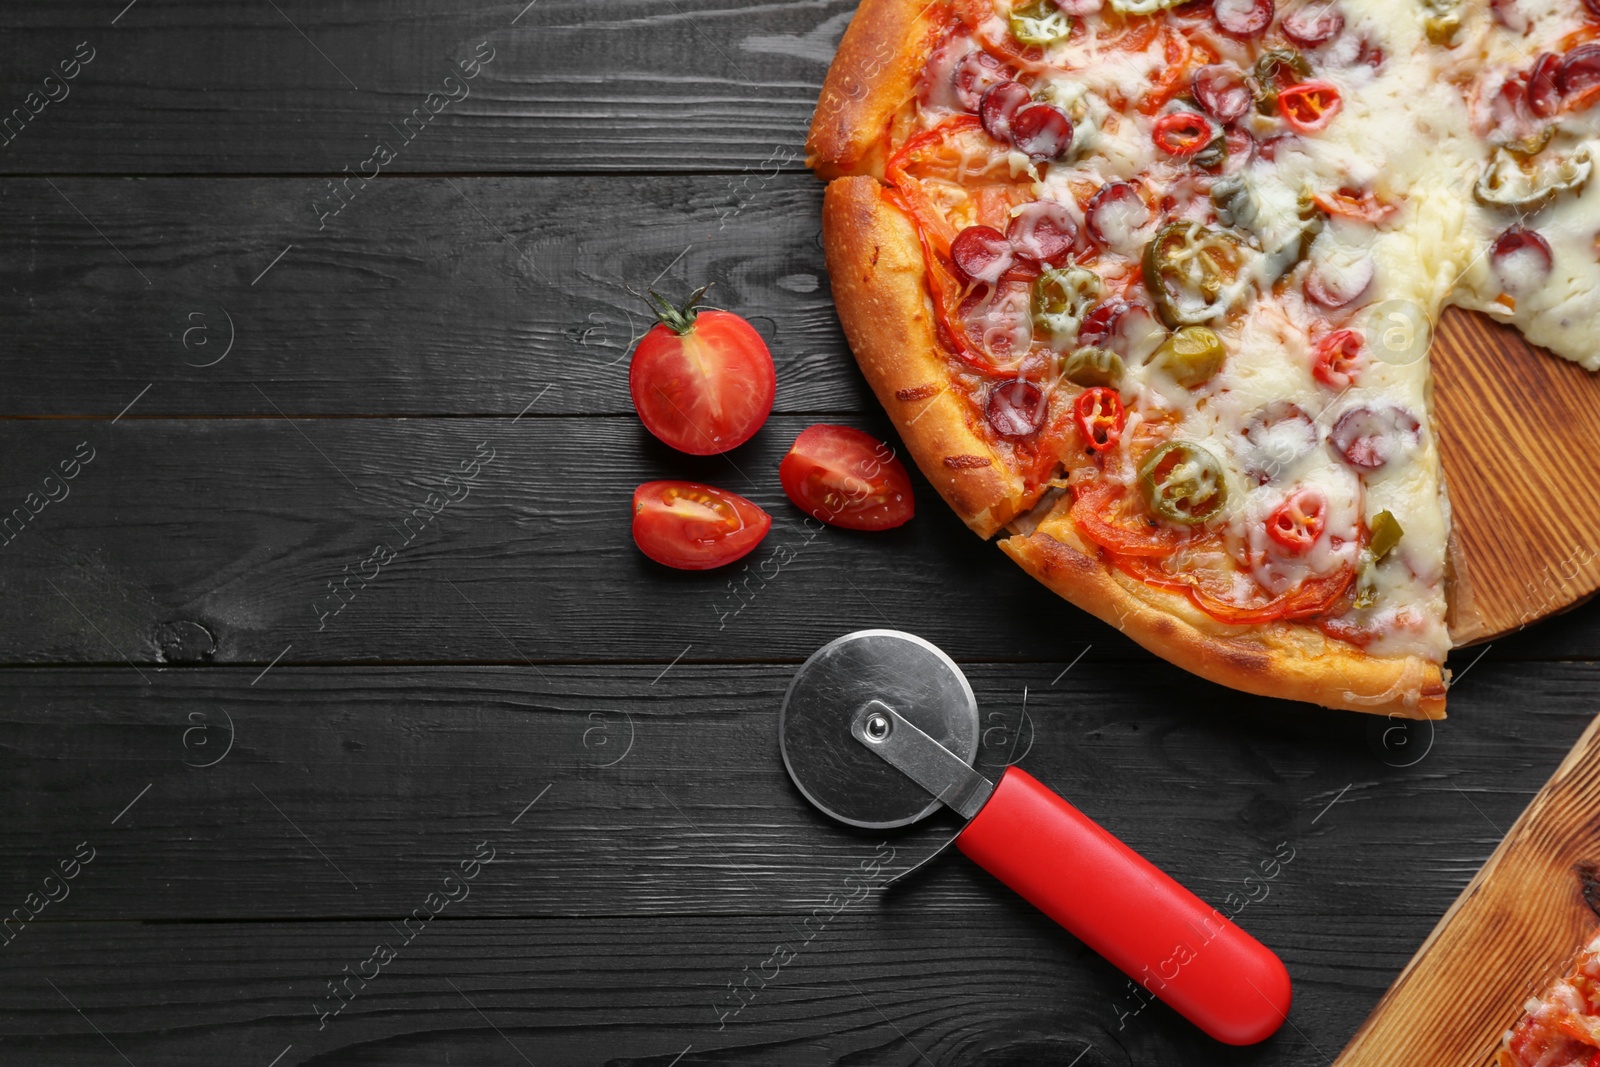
(1562, 1028)
(1148, 290)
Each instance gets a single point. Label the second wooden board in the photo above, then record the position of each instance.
(1512, 932)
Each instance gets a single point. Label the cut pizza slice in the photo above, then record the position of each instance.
(1561, 1028)
(1151, 292)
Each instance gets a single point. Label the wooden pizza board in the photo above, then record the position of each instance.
(1513, 930)
(1517, 428)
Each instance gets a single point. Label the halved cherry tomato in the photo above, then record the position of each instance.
(1182, 133)
(702, 380)
(1357, 204)
(1100, 417)
(1338, 358)
(695, 527)
(847, 478)
(1309, 106)
(1299, 521)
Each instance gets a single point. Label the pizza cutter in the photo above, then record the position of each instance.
(879, 728)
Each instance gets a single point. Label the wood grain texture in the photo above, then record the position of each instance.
(237, 527)
(622, 903)
(416, 333)
(666, 794)
(432, 296)
(1515, 425)
(1513, 930)
(878, 985)
(195, 550)
(217, 540)
(634, 85)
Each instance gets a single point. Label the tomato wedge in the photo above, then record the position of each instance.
(1309, 106)
(702, 380)
(695, 527)
(847, 478)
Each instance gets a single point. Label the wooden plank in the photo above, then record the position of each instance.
(302, 87)
(235, 529)
(1514, 929)
(230, 532)
(345, 791)
(429, 296)
(355, 321)
(876, 985)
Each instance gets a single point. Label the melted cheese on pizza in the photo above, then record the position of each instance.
(1318, 251)
(1561, 1028)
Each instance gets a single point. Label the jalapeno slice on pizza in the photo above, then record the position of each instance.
(1193, 272)
(1183, 483)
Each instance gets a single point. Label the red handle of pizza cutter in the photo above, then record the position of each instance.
(1125, 908)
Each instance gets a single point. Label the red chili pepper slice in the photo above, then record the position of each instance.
(1299, 521)
(1309, 106)
(1100, 416)
(1182, 133)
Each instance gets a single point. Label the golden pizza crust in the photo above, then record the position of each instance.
(1281, 659)
(875, 261)
(873, 76)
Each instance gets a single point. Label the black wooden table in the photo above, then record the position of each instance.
(317, 749)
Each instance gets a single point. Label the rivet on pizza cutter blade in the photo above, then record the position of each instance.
(879, 728)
